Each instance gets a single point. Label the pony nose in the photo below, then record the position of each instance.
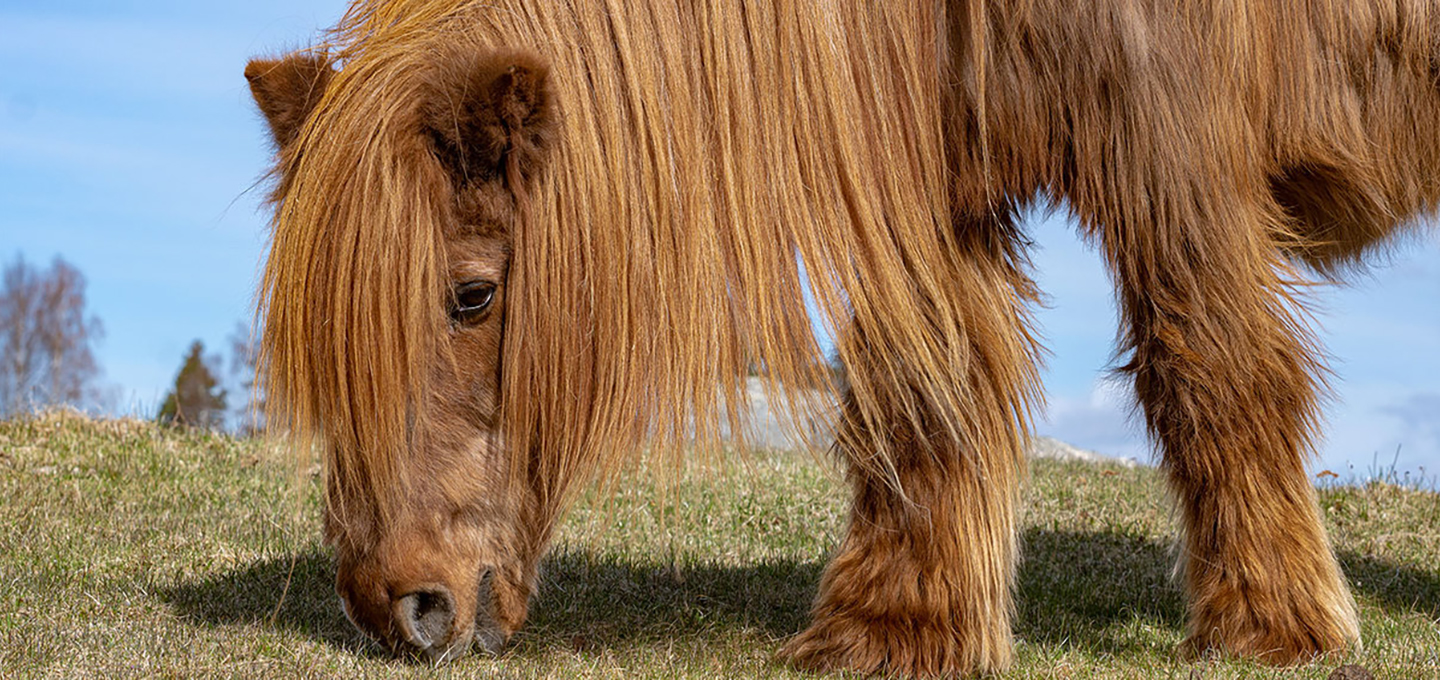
(425, 619)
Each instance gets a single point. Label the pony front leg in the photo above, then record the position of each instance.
(922, 583)
(1226, 374)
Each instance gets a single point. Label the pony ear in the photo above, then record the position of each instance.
(489, 114)
(287, 90)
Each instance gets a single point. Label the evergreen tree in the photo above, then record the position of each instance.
(197, 400)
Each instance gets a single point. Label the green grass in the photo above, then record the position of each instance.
(132, 551)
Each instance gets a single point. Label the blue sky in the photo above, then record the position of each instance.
(128, 145)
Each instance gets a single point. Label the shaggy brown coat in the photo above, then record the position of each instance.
(660, 187)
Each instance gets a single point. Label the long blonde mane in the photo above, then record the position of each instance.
(705, 150)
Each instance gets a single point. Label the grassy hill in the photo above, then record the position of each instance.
(132, 551)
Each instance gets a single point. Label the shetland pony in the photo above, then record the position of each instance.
(516, 241)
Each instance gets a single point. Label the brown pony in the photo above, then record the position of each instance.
(516, 241)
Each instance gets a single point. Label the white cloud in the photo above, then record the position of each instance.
(1420, 413)
(1099, 420)
(1380, 426)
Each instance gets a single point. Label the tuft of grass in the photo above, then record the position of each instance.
(128, 550)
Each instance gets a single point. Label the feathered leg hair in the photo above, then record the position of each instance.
(922, 583)
(1227, 375)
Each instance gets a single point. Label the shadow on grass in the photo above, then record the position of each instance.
(589, 600)
(1086, 588)
(1075, 588)
(252, 596)
(1397, 588)
(585, 600)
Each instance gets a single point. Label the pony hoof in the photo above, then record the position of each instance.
(901, 648)
(1272, 645)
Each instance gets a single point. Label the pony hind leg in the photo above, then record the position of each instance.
(921, 585)
(1227, 377)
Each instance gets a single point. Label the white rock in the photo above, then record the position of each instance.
(767, 429)
(1049, 447)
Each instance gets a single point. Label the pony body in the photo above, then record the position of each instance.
(635, 186)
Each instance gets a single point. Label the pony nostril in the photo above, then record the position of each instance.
(425, 617)
(488, 632)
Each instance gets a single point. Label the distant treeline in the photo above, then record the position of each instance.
(47, 357)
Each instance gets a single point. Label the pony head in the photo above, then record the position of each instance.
(400, 183)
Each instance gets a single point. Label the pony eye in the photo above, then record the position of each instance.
(472, 300)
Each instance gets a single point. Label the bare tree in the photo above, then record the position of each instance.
(249, 409)
(46, 338)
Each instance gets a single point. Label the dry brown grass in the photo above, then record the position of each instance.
(133, 551)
